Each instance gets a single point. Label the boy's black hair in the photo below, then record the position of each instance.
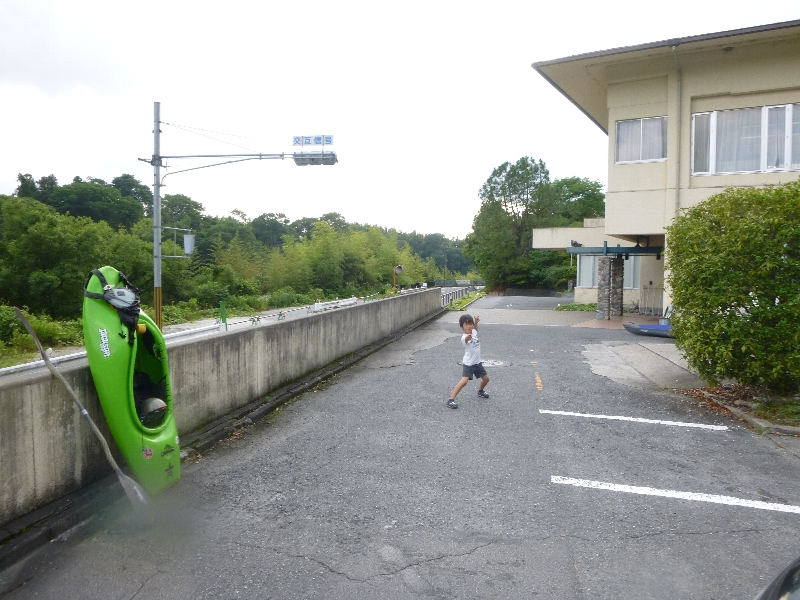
(465, 319)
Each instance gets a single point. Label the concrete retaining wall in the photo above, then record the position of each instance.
(47, 450)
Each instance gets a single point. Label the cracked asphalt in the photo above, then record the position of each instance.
(369, 487)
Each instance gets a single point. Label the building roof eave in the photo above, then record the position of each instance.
(570, 98)
(584, 78)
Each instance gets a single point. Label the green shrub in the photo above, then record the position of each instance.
(210, 294)
(22, 342)
(9, 323)
(288, 297)
(734, 265)
(183, 312)
(258, 303)
(49, 331)
(247, 304)
(579, 307)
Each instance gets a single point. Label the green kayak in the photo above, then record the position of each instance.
(128, 361)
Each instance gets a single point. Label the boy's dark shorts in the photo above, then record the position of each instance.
(477, 370)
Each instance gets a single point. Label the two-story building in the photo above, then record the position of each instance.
(685, 119)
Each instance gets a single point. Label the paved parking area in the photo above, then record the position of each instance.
(566, 483)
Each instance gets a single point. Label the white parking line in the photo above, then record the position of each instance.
(647, 491)
(635, 419)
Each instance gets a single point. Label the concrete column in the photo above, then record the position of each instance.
(610, 273)
(604, 288)
(615, 293)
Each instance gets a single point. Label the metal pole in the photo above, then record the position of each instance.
(157, 214)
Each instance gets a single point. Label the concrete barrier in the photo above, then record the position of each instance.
(47, 449)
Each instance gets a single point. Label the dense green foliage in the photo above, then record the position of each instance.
(515, 199)
(51, 236)
(49, 331)
(734, 265)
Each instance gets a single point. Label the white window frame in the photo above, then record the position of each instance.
(641, 129)
(631, 274)
(712, 132)
(581, 259)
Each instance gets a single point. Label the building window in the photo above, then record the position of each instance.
(587, 272)
(642, 140)
(746, 140)
(630, 277)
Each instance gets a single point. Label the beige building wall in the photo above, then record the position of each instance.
(707, 73)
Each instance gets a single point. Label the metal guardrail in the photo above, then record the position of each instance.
(211, 329)
(449, 297)
(320, 306)
(168, 337)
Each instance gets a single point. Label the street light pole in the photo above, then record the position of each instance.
(397, 270)
(301, 159)
(157, 297)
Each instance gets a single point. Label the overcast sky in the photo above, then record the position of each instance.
(423, 99)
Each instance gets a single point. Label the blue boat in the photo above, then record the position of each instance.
(650, 329)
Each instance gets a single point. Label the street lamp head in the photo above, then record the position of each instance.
(303, 159)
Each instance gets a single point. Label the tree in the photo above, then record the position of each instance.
(514, 200)
(522, 191)
(326, 256)
(49, 256)
(181, 211)
(245, 262)
(26, 187)
(582, 198)
(446, 253)
(734, 274)
(45, 188)
(335, 220)
(97, 200)
(492, 246)
(130, 187)
(240, 216)
(302, 228)
(270, 228)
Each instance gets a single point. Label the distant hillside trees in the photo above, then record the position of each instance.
(51, 236)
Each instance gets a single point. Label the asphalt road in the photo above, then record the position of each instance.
(369, 487)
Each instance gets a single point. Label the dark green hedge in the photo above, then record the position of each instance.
(734, 265)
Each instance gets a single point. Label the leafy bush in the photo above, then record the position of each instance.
(9, 323)
(247, 304)
(184, 312)
(22, 342)
(210, 294)
(734, 265)
(288, 297)
(49, 331)
(56, 333)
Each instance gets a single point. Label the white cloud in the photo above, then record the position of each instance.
(424, 98)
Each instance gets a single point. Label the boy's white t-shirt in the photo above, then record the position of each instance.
(472, 349)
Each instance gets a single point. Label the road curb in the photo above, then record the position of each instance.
(760, 424)
(29, 532)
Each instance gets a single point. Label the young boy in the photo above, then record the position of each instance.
(472, 359)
